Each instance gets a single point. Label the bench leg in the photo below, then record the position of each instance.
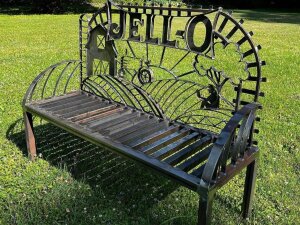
(205, 208)
(249, 189)
(30, 140)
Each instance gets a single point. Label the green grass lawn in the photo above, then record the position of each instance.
(45, 192)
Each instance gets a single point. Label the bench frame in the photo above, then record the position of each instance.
(235, 138)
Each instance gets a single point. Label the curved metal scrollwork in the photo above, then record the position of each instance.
(229, 144)
(225, 60)
(56, 80)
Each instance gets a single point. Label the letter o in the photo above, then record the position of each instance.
(190, 30)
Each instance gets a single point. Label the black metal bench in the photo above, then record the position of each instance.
(152, 85)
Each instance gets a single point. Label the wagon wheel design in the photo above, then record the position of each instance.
(145, 75)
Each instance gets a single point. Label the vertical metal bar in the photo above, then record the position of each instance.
(205, 208)
(249, 189)
(131, 49)
(162, 56)
(238, 96)
(30, 140)
(80, 51)
(147, 52)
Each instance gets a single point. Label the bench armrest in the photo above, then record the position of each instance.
(229, 144)
(55, 80)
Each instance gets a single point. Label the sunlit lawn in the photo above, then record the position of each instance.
(45, 192)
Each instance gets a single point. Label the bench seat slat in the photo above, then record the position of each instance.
(83, 104)
(188, 151)
(143, 124)
(139, 134)
(82, 111)
(176, 146)
(125, 126)
(62, 99)
(97, 121)
(70, 103)
(114, 121)
(98, 111)
(164, 141)
(153, 137)
(198, 172)
(195, 160)
(97, 114)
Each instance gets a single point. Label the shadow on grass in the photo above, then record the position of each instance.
(271, 15)
(96, 166)
(128, 187)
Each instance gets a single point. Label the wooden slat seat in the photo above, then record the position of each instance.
(169, 142)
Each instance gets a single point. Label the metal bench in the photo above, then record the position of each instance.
(175, 89)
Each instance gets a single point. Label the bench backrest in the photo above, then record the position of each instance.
(197, 66)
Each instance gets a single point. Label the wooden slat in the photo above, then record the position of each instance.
(98, 111)
(171, 148)
(188, 151)
(97, 114)
(119, 112)
(164, 141)
(195, 160)
(55, 98)
(131, 129)
(69, 104)
(114, 121)
(147, 130)
(82, 111)
(120, 127)
(153, 137)
(87, 103)
(58, 101)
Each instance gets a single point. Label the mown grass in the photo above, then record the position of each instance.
(45, 192)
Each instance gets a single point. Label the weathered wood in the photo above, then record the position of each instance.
(148, 149)
(107, 116)
(124, 126)
(142, 123)
(62, 100)
(115, 121)
(70, 108)
(97, 114)
(95, 111)
(82, 111)
(70, 103)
